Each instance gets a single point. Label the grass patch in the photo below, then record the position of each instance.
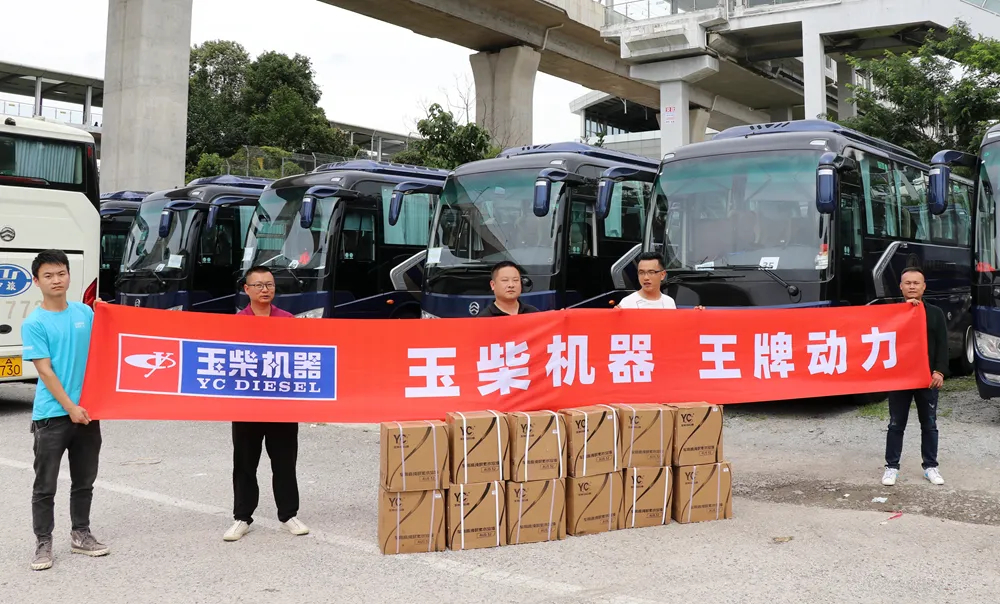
(878, 410)
(946, 412)
(960, 384)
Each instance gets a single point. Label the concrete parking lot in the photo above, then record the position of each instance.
(806, 529)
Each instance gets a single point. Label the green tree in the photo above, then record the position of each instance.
(446, 143)
(209, 164)
(217, 77)
(943, 95)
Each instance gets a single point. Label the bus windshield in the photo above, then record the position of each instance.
(146, 251)
(487, 217)
(277, 238)
(745, 209)
(987, 231)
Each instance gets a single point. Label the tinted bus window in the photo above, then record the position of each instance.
(881, 203)
(54, 162)
(413, 226)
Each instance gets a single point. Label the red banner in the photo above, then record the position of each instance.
(153, 364)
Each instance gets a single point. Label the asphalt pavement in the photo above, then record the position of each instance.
(164, 494)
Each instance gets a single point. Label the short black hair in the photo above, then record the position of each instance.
(257, 270)
(505, 264)
(913, 269)
(49, 257)
(645, 256)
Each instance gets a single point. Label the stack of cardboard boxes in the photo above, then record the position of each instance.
(485, 479)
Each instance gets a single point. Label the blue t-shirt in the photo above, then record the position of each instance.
(64, 338)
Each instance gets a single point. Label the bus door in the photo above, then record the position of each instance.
(220, 253)
(399, 242)
(986, 279)
(581, 243)
(356, 263)
(850, 276)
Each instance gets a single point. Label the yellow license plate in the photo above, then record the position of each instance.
(11, 367)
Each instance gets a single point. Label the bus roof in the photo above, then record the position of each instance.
(580, 149)
(42, 127)
(383, 167)
(991, 134)
(233, 180)
(124, 196)
(819, 126)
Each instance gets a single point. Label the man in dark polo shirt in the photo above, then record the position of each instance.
(280, 438)
(913, 285)
(506, 286)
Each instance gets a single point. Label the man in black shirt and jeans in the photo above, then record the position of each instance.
(506, 285)
(913, 287)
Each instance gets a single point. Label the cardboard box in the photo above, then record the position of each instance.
(703, 493)
(593, 440)
(479, 442)
(648, 497)
(414, 456)
(536, 511)
(411, 522)
(477, 515)
(537, 445)
(647, 435)
(593, 504)
(697, 434)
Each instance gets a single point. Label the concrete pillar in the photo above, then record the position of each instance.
(782, 113)
(505, 88)
(674, 79)
(38, 97)
(814, 74)
(88, 102)
(699, 124)
(845, 77)
(583, 125)
(145, 94)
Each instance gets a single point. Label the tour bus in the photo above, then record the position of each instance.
(806, 214)
(184, 248)
(326, 237)
(49, 198)
(984, 347)
(118, 210)
(536, 206)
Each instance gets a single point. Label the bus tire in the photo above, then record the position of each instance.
(965, 363)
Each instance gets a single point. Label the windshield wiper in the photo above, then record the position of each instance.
(792, 289)
(290, 271)
(146, 271)
(460, 272)
(705, 275)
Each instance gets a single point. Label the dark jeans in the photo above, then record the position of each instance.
(899, 411)
(282, 443)
(53, 437)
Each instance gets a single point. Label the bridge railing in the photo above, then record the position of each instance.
(992, 6)
(68, 116)
(618, 12)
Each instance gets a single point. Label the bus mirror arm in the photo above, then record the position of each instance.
(606, 185)
(543, 187)
(405, 188)
(226, 202)
(828, 182)
(939, 177)
(307, 212)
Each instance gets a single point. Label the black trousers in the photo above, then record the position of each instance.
(53, 437)
(282, 443)
(899, 412)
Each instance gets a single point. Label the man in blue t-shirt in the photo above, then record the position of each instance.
(56, 339)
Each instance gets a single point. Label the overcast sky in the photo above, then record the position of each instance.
(371, 73)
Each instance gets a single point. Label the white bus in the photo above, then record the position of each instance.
(49, 198)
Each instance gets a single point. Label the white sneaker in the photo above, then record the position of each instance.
(889, 478)
(933, 475)
(236, 532)
(296, 527)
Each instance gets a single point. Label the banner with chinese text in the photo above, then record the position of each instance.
(153, 364)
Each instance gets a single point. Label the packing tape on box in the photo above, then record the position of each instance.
(694, 476)
(461, 511)
(465, 444)
(562, 458)
(631, 437)
(666, 491)
(499, 448)
(430, 532)
(520, 510)
(434, 439)
(398, 506)
(718, 488)
(496, 508)
(635, 488)
(611, 498)
(527, 446)
(552, 508)
(614, 421)
(402, 457)
(586, 433)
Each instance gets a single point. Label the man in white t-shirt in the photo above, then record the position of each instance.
(651, 273)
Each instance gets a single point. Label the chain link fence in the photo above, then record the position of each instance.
(270, 162)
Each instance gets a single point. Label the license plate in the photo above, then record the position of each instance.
(11, 367)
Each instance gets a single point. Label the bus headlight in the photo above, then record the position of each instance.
(987, 345)
(316, 313)
(178, 307)
(426, 315)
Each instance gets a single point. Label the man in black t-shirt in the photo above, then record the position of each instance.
(506, 285)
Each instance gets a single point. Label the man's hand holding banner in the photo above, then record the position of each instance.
(150, 364)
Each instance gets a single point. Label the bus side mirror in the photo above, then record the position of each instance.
(543, 187)
(827, 184)
(307, 211)
(213, 215)
(403, 189)
(937, 190)
(166, 217)
(606, 185)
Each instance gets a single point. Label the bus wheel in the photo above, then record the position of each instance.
(965, 363)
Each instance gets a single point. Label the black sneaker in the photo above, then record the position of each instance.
(83, 542)
(43, 555)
